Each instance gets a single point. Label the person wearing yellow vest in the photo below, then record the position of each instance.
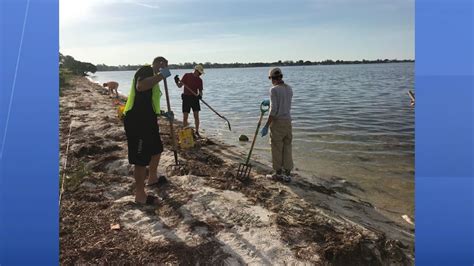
(141, 126)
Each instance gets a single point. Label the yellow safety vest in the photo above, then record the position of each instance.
(155, 98)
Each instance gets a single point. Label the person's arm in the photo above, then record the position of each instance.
(178, 81)
(200, 91)
(269, 120)
(273, 107)
(149, 83)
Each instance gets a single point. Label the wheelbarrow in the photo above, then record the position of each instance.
(243, 172)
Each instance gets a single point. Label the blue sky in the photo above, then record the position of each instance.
(135, 31)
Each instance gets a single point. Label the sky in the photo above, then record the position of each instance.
(121, 32)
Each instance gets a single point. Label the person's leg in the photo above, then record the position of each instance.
(185, 119)
(196, 121)
(186, 108)
(153, 169)
(138, 157)
(276, 140)
(287, 149)
(155, 147)
(139, 173)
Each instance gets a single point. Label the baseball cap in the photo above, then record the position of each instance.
(275, 72)
(199, 68)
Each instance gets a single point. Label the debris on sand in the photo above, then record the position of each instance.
(206, 216)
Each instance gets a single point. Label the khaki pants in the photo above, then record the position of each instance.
(280, 138)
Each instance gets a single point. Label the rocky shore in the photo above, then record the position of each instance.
(207, 216)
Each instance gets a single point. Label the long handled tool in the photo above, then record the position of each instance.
(243, 172)
(412, 97)
(173, 138)
(221, 116)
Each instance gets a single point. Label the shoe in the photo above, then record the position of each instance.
(276, 176)
(197, 135)
(286, 178)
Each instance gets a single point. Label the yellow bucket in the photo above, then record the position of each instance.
(186, 139)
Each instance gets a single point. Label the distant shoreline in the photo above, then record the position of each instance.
(102, 67)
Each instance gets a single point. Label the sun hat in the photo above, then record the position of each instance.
(199, 68)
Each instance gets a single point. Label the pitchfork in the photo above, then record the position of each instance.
(243, 172)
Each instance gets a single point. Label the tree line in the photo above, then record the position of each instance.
(68, 63)
(190, 65)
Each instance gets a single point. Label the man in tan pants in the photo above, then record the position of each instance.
(279, 122)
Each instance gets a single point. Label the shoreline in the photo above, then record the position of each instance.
(394, 199)
(270, 65)
(207, 216)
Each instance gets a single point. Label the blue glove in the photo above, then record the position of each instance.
(168, 115)
(264, 131)
(165, 72)
(266, 102)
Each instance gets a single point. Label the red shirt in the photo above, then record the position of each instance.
(192, 82)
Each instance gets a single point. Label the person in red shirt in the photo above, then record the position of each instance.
(192, 93)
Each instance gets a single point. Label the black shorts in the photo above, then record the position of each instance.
(143, 140)
(190, 101)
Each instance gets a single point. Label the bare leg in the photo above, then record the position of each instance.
(139, 173)
(185, 119)
(153, 177)
(196, 121)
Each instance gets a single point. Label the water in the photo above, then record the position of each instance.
(349, 121)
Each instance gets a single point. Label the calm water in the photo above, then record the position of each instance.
(349, 121)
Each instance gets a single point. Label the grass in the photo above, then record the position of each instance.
(74, 177)
(64, 77)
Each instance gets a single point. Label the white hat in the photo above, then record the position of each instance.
(199, 68)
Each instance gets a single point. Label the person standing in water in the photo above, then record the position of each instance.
(279, 122)
(191, 94)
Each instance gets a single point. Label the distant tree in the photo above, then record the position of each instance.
(76, 67)
(88, 67)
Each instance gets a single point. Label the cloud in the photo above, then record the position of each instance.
(147, 4)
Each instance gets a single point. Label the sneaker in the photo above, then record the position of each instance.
(277, 176)
(286, 178)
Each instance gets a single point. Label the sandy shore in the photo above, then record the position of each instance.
(207, 216)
